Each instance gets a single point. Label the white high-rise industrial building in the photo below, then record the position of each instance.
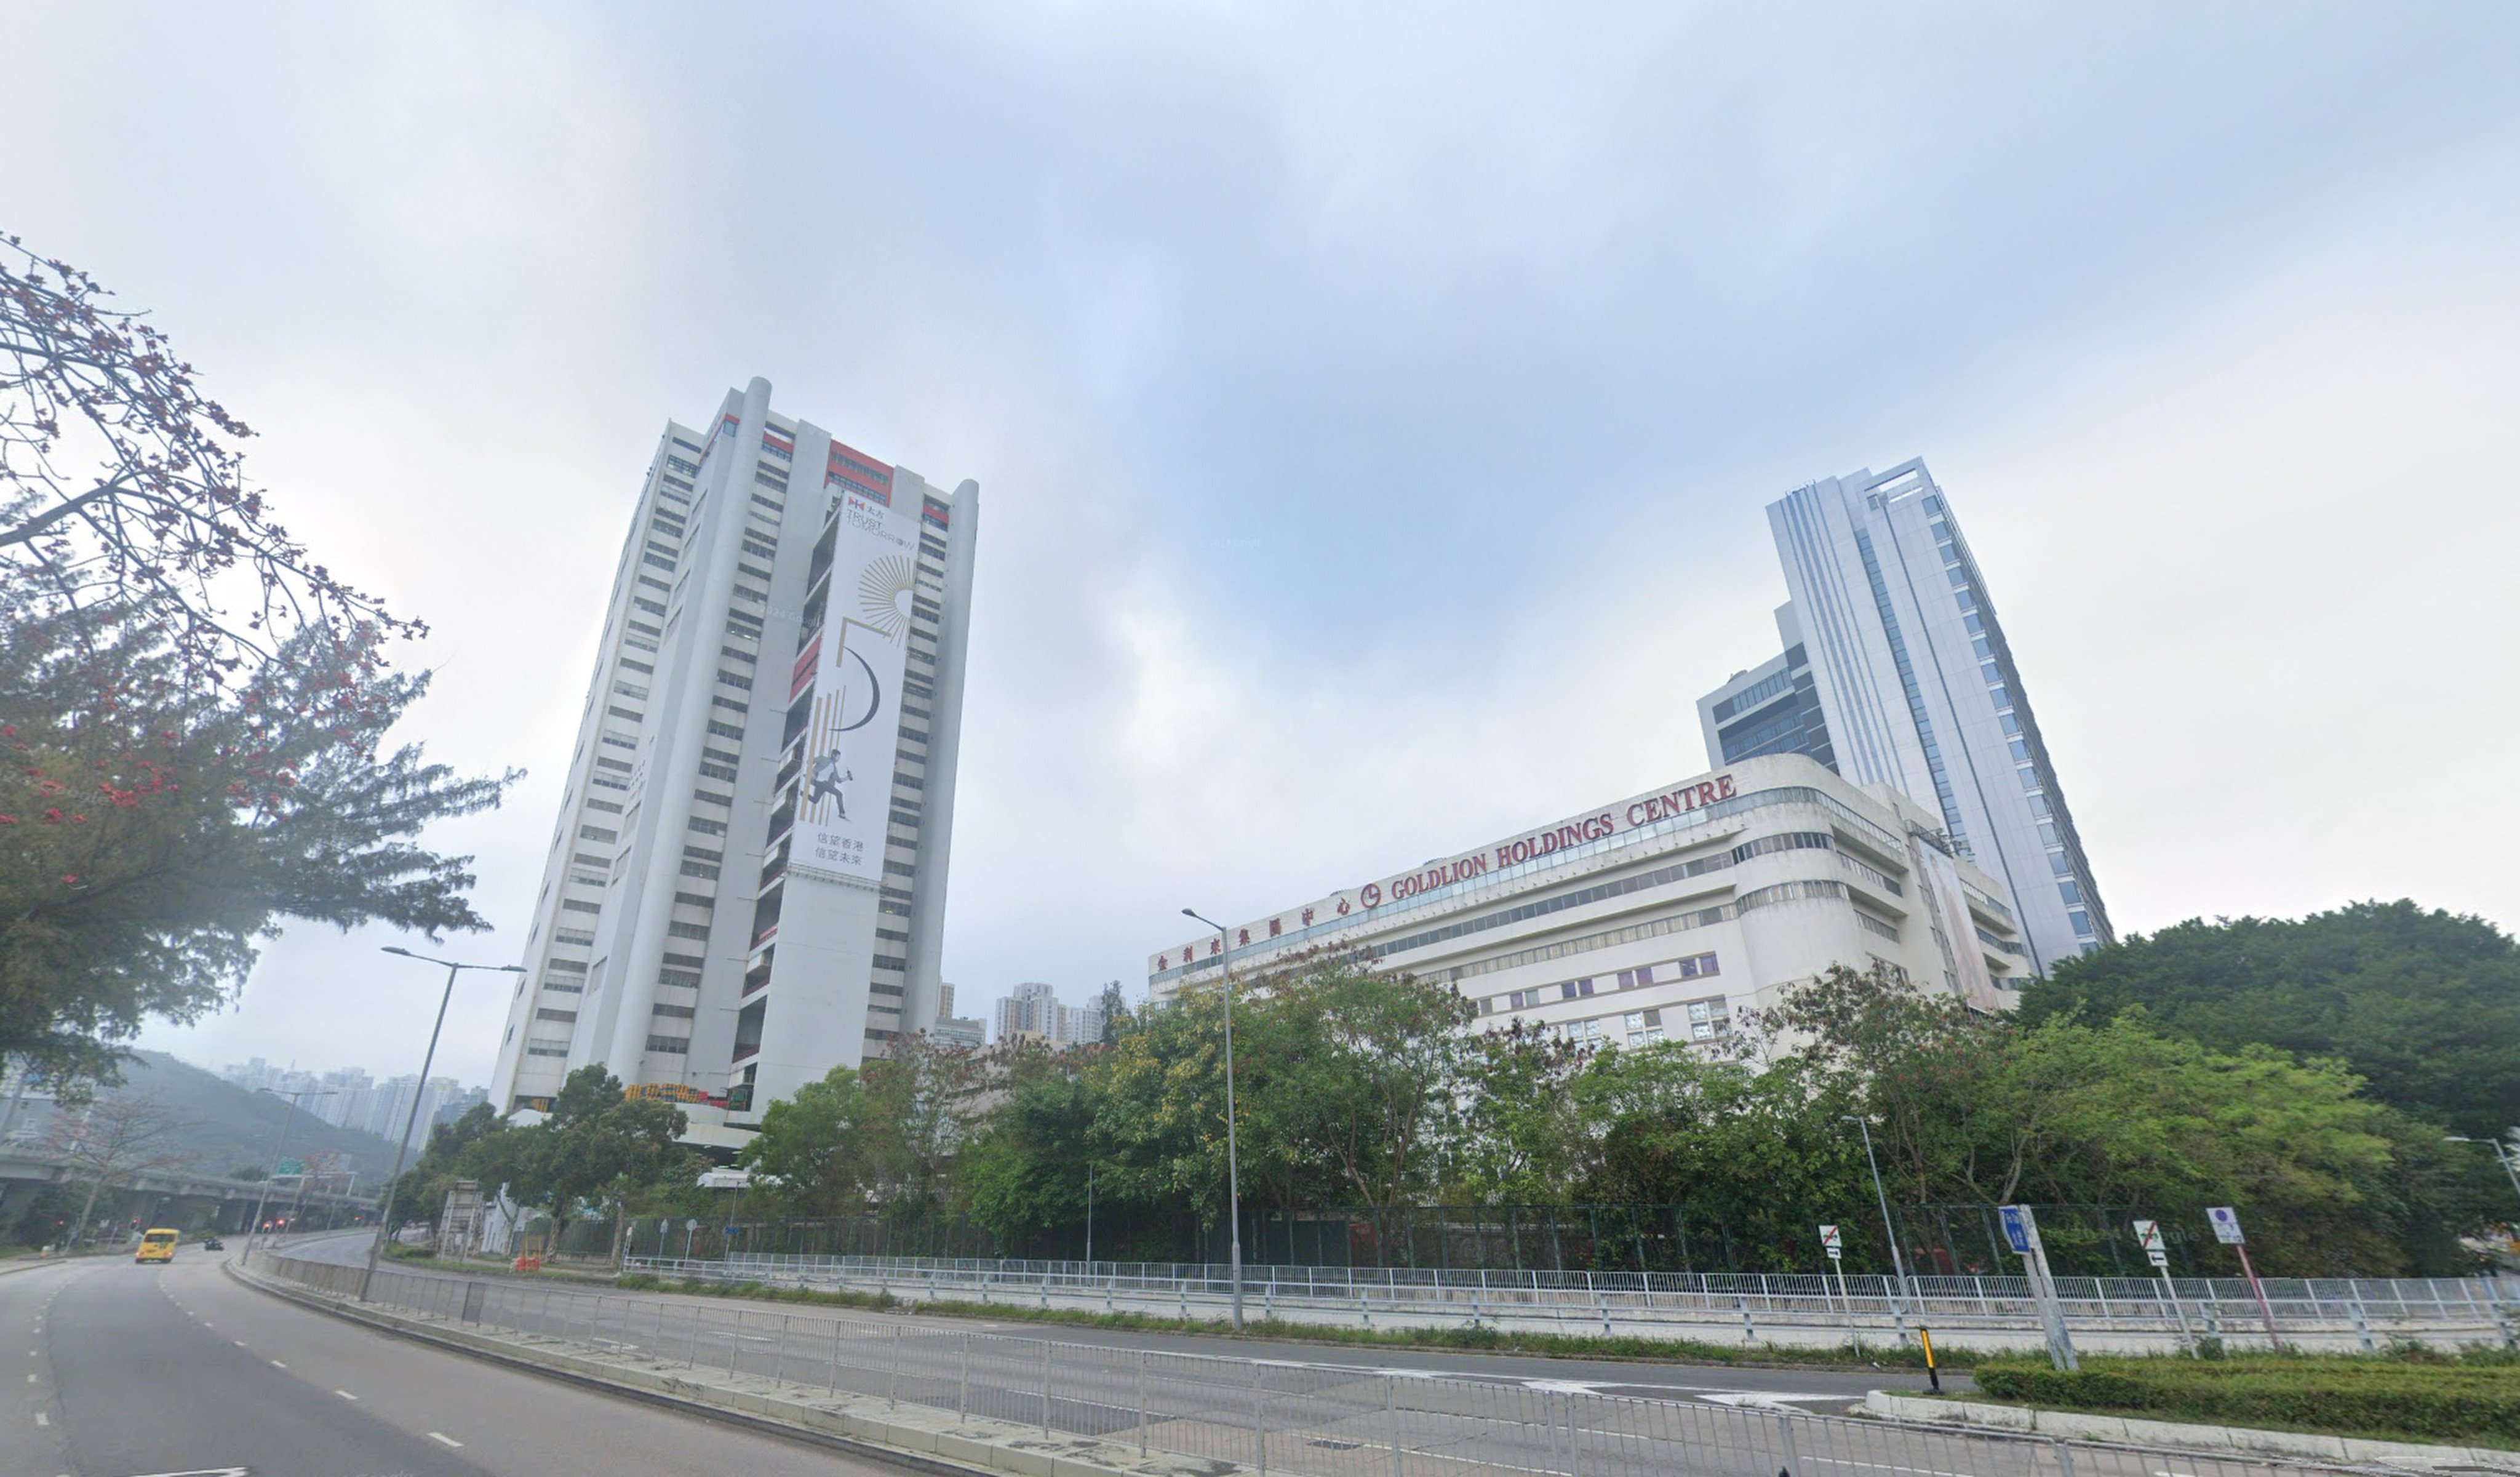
(747, 883)
(1895, 672)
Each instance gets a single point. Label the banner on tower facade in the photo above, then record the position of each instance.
(855, 721)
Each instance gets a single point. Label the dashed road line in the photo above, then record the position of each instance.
(347, 1394)
(277, 1364)
(441, 1436)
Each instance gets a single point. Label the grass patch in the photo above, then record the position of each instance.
(1482, 1339)
(2410, 1393)
(759, 1292)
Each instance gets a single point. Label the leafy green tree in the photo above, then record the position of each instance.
(443, 1160)
(1024, 1168)
(1992, 1109)
(2424, 1005)
(811, 1157)
(1523, 1136)
(597, 1152)
(1758, 1153)
(919, 1103)
(1360, 1072)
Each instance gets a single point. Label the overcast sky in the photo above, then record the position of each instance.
(1373, 405)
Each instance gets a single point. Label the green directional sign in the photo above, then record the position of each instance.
(293, 1167)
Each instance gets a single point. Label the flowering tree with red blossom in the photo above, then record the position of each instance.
(193, 711)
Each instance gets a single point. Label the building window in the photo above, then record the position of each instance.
(1709, 1019)
(670, 1046)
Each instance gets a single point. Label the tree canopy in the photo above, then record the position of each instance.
(2423, 1005)
(598, 1152)
(1360, 1092)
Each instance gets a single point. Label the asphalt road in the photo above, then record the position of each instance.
(134, 1372)
(1822, 1391)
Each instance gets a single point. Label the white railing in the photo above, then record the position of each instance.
(1789, 1308)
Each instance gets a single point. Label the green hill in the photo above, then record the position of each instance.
(226, 1128)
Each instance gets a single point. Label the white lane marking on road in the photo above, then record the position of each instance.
(199, 1472)
(30, 1379)
(277, 1364)
(448, 1440)
(347, 1394)
(239, 1343)
(42, 1419)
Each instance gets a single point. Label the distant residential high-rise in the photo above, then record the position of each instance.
(746, 884)
(951, 1030)
(1031, 1011)
(1034, 1010)
(1896, 671)
(442, 1101)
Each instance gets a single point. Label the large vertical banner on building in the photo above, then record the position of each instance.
(855, 722)
(1953, 929)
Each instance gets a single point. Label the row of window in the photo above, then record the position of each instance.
(1705, 1020)
(2000, 692)
(1668, 971)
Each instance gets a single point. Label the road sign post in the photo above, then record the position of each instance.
(2227, 1229)
(2147, 1234)
(1833, 1242)
(2021, 1229)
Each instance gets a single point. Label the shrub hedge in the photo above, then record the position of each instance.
(2474, 1400)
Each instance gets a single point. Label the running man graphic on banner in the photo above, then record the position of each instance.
(855, 722)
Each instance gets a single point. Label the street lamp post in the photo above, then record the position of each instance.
(1898, 1262)
(420, 1090)
(278, 1144)
(1233, 1163)
(2494, 1148)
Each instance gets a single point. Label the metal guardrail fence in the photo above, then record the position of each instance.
(1256, 1415)
(2345, 1312)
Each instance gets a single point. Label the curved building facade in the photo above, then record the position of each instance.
(1665, 916)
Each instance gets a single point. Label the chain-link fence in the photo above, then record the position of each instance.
(1304, 1419)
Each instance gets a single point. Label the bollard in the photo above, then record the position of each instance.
(1786, 1437)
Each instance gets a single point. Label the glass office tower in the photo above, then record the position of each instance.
(1892, 637)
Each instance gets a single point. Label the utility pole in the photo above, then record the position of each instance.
(1232, 1165)
(419, 1093)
